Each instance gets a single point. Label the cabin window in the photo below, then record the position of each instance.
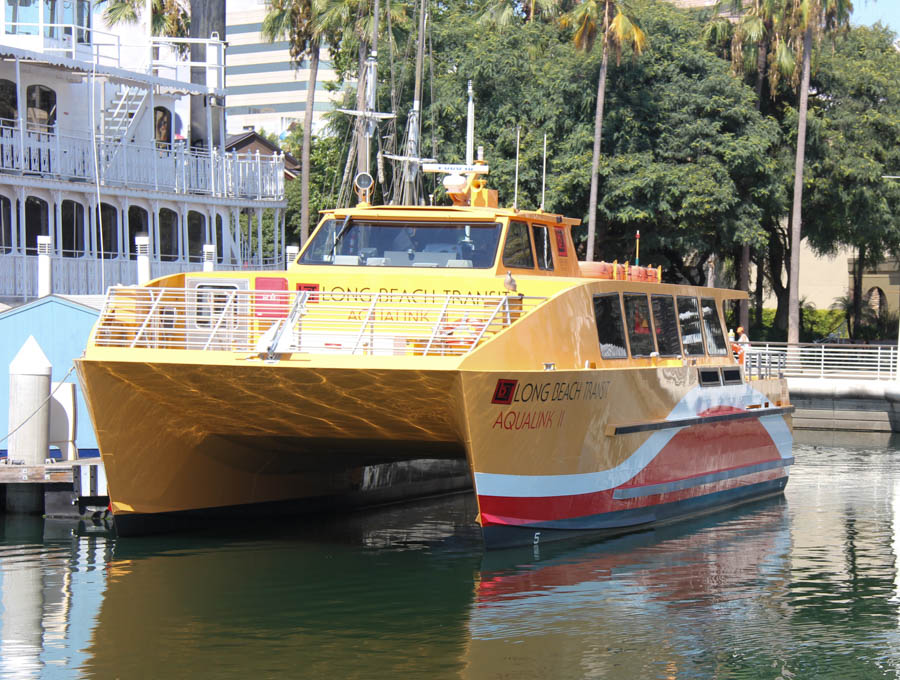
(108, 230)
(196, 235)
(168, 235)
(712, 328)
(403, 244)
(731, 376)
(138, 223)
(666, 322)
(5, 225)
(162, 127)
(709, 377)
(689, 319)
(610, 332)
(41, 108)
(542, 247)
(517, 250)
(37, 223)
(22, 17)
(9, 111)
(72, 229)
(637, 321)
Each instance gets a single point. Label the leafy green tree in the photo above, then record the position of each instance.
(169, 17)
(617, 30)
(804, 21)
(854, 143)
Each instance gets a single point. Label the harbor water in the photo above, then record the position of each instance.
(804, 586)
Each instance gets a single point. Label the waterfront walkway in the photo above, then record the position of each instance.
(837, 386)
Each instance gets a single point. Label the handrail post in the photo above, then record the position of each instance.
(215, 330)
(365, 323)
(437, 326)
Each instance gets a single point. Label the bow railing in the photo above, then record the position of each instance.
(220, 317)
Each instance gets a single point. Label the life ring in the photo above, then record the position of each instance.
(738, 349)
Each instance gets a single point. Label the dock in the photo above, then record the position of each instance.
(60, 489)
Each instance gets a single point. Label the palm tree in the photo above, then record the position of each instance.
(298, 21)
(170, 17)
(808, 20)
(589, 17)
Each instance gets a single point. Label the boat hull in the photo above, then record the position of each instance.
(183, 443)
(566, 453)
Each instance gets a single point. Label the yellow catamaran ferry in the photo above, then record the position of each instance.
(409, 350)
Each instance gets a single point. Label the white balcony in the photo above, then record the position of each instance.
(166, 168)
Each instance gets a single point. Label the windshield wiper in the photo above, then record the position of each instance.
(339, 236)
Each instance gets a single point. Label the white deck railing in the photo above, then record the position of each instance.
(813, 360)
(170, 168)
(92, 276)
(275, 322)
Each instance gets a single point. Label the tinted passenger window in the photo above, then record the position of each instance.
(689, 318)
(666, 322)
(608, 313)
(637, 321)
(712, 328)
(517, 250)
(542, 247)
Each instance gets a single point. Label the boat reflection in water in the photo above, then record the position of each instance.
(620, 608)
(400, 592)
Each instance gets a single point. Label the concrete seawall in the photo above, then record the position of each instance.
(845, 405)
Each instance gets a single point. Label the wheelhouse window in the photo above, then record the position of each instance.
(610, 332)
(168, 235)
(542, 247)
(76, 13)
(712, 328)
(666, 322)
(22, 17)
(162, 127)
(517, 249)
(403, 244)
(41, 108)
(637, 321)
(689, 319)
(72, 229)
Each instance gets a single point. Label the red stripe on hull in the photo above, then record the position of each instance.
(508, 510)
(695, 451)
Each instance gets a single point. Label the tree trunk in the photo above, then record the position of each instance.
(307, 137)
(794, 278)
(598, 133)
(758, 293)
(776, 260)
(856, 309)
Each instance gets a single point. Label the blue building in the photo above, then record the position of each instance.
(61, 327)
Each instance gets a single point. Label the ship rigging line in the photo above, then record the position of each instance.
(35, 412)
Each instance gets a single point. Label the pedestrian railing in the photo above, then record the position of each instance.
(814, 360)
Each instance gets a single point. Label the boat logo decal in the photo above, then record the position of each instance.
(503, 393)
(309, 287)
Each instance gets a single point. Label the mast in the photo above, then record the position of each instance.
(409, 195)
(371, 90)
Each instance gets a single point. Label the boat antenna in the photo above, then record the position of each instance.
(516, 191)
(470, 127)
(544, 175)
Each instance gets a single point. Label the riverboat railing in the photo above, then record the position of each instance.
(821, 360)
(45, 152)
(270, 323)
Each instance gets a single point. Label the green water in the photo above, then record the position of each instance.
(805, 586)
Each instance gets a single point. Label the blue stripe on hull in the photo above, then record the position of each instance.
(624, 521)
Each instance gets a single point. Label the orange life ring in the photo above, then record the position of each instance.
(738, 349)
